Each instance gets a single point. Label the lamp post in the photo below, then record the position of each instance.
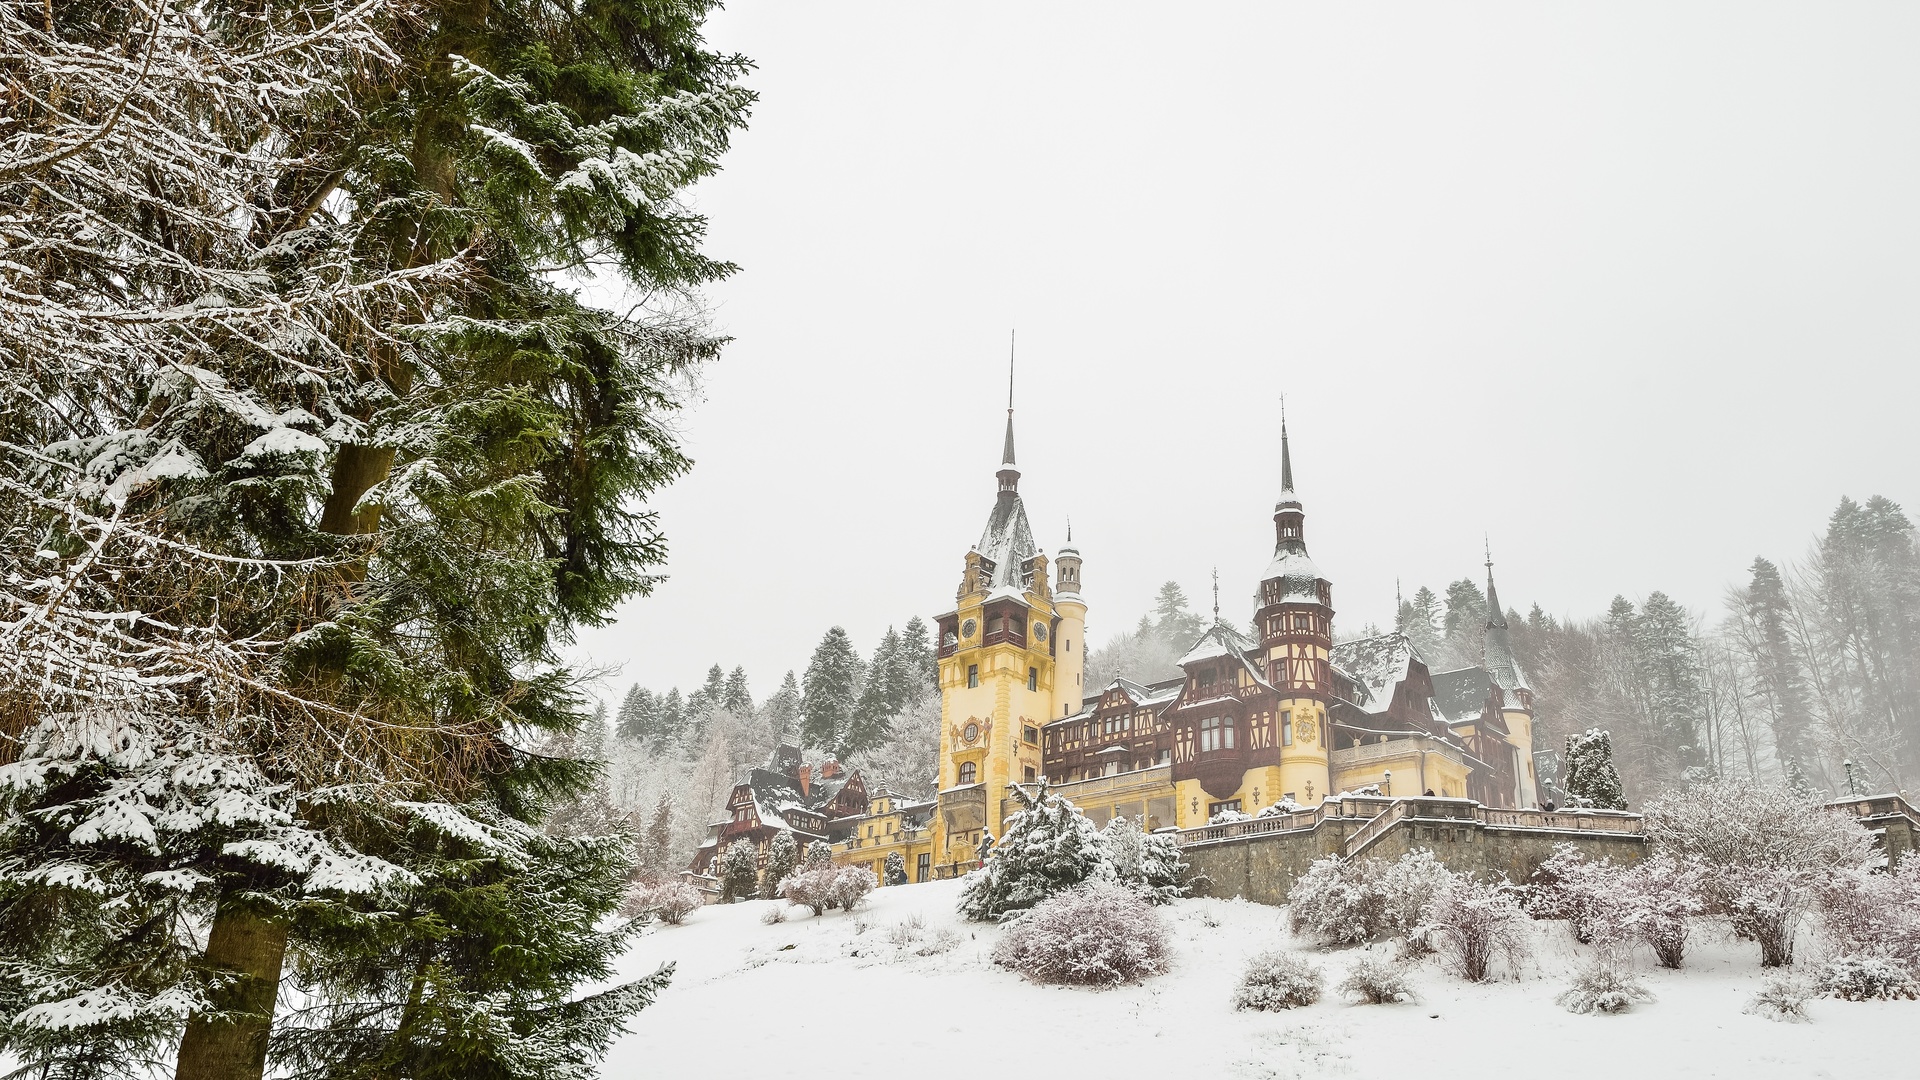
(1386, 785)
(1848, 763)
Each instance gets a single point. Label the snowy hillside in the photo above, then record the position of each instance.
(851, 996)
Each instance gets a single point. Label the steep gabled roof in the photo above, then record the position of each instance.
(1376, 666)
(1219, 640)
(1461, 695)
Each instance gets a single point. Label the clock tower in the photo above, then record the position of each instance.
(1000, 658)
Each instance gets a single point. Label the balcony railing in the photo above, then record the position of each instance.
(1381, 813)
(1120, 783)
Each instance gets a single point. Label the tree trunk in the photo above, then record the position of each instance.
(233, 1046)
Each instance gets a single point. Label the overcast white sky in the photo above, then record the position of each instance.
(1630, 287)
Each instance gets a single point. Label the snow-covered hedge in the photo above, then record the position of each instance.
(1049, 848)
(824, 887)
(1874, 913)
(1612, 906)
(1096, 935)
(1277, 980)
(1866, 977)
(1349, 901)
(1780, 997)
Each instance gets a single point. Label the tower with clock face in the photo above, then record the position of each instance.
(1003, 652)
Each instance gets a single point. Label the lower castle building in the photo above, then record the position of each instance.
(1283, 715)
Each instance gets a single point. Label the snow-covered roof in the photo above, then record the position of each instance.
(1292, 565)
(1219, 640)
(1007, 542)
(1461, 695)
(1376, 666)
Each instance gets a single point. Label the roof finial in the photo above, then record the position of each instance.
(1488, 541)
(1216, 594)
(1006, 453)
(1069, 528)
(1286, 454)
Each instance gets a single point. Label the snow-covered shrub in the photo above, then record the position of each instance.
(943, 940)
(1588, 773)
(1605, 987)
(1780, 997)
(1277, 980)
(1766, 904)
(1097, 935)
(1227, 817)
(1475, 922)
(1585, 892)
(1376, 981)
(1280, 809)
(850, 886)
(739, 870)
(1865, 912)
(670, 902)
(1348, 901)
(1149, 864)
(907, 930)
(1864, 977)
(1662, 894)
(896, 868)
(774, 916)
(819, 853)
(810, 887)
(1049, 847)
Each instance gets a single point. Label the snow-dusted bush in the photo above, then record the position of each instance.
(774, 916)
(1878, 913)
(1280, 809)
(907, 930)
(1348, 901)
(850, 886)
(1228, 817)
(1474, 922)
(1049, 847)
(670, 902)
(1780, 997)
(810, 887)
(1766, 904)
(1149, 864)
(819, 853)
(1662, 894)
(943, 940)
(1096, 935)
(1610, 906)
(1585, 892)
(1376, 981)
(1865, 977)
(1604, 987)
(1277, 980)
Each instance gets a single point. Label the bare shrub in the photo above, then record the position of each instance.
(1780, 997)
(1350, 901)
(810, 887)
(849, 887)
(943, 940)
(1473, 923)
(1605, 988)
(1277, 980)
(1766, 904)
(1873, 913)
(1097, 935)
(1375, 981)
(1662, 894)
(774, 916)
(670, 902)
(1866, 977)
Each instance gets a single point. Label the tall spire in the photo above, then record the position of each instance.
(1286, 454)
(1009, 475)
(1497, 649)
(1496, 618)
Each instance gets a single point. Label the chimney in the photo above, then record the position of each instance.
(805, 776)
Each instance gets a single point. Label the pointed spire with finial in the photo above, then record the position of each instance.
(1497, 650)
(1009, 474)
(1496, 618)
(1286, 453)
(1216, 594)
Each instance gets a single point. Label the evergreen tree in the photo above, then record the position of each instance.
(819, 854)
(896, 868)
(922, 663)
(886, 693)
(1669, 664)
(1422, 624)
(739, 871)
(736, 699)
(1588, 774)
(1466, 610)
(673, 725)
(1766, 611)
(1049, 847)
(783, 858)
(830, 693)
(656, 850)
(782, 710)
(1173, 623)
(639, 716)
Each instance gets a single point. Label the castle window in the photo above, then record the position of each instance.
(1216, 733)
(967, 772)
(1216, 807)
(973, 675)
(1286, 728)
(1031, 775)
(1032, 733)
(1033, 678)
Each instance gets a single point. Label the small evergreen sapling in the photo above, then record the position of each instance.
(783, 857)
(1049, 847)
(739, 870)
(1150, 864)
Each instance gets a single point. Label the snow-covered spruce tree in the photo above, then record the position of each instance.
(896, 868)
(313, 467)
(1148, 864)
(1588, 773)
(783, 858)
(1049, 847)
(831, 692)
(739, 871)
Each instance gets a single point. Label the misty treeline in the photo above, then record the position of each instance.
(1806, 664)
(673, 757)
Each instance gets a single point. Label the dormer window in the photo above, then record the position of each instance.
(1216, 733)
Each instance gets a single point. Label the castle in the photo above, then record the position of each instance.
(1282, 717)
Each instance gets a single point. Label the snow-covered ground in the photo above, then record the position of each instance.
(850, 996)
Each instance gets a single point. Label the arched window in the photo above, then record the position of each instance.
(967, 772)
